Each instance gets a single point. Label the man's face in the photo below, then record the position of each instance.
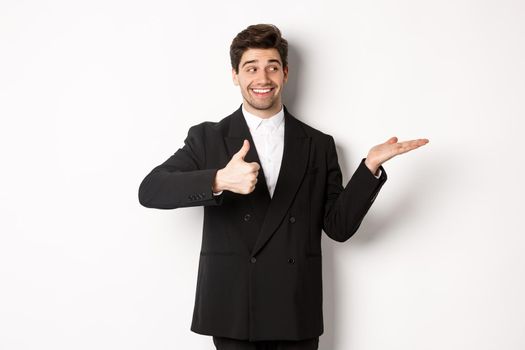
(261, 79)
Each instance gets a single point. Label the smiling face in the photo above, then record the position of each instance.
(261, 79)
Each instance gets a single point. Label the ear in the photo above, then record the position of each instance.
(235, 77)
(285, 73)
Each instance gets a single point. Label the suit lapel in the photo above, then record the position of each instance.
(271, 210)
(239, 131)
(293, 167)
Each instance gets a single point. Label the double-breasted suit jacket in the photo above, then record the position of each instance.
(260, 267)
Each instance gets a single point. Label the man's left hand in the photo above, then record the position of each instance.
(391, 148)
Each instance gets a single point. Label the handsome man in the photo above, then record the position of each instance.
(269, 185)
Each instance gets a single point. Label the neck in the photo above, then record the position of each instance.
(263, 113)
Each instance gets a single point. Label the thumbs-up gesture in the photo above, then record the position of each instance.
(238, 176)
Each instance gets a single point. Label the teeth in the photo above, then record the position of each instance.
(259, 91)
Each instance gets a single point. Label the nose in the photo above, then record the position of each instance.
(262, 76)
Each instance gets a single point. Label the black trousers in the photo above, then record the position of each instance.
(235, 344)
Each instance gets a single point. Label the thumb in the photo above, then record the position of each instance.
(392, 140)
(243, 151)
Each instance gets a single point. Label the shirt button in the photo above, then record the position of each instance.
(292, 219)
(247, 217)
(291, 260)
(253, 260)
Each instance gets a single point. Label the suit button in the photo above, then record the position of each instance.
(253, 260)
(291, 260)
(292, 219)
(247, 217)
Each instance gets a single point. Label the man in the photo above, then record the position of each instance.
(269, 185)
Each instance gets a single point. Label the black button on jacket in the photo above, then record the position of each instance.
(259, 274)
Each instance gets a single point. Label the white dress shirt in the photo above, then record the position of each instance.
(268, 136)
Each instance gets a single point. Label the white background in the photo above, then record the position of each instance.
(94, 94)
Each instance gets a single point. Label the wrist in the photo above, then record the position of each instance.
(218, 185)
(373, 167)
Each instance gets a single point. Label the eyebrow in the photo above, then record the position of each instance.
(253, 61)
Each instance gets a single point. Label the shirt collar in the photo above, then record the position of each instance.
(254, 121)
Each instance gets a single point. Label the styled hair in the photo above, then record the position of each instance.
(258, 36)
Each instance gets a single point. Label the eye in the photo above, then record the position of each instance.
(251, 69)
(274, 68)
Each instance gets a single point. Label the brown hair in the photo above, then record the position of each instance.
(258, 36)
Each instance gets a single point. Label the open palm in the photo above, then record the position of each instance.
(391, 148)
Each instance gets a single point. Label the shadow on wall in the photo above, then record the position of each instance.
(291, 91)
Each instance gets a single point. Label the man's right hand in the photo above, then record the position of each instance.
(238, 176)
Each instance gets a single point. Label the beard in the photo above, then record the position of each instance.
(260, 104)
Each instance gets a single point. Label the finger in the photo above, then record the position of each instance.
(255, 166)
(406, 146)
(414, 143)
(243, 151)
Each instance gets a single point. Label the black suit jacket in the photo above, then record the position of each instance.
(260, 268)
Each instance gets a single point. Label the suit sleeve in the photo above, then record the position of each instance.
(182, 180)
(346, 207)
